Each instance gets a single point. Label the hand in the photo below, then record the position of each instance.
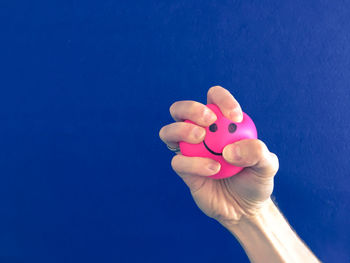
(228, 199)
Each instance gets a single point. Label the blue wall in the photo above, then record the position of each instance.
(86, 86)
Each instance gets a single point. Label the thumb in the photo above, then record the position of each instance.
(252, 153)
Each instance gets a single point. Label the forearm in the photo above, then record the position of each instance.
(269, 238)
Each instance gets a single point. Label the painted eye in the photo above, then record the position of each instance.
(232, 128)
(213, 127)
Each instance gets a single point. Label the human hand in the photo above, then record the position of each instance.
(228, 199)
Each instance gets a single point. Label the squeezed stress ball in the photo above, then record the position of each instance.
(219, 134)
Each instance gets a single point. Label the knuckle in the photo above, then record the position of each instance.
(260, 147)
(164, 132)
(161, 132)
(175, 107)
(174, 162)
(275, 162)
(210, 91)
(172, 108)
(213, 88)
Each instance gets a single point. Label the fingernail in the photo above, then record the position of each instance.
(237, 153)
(214, 167)
(208, 116)
(198, 132)
(232, 153)
(236, 115)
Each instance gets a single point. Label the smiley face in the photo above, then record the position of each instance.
(218, 135)
(232, 127)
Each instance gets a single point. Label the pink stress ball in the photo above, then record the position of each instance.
(219, 134)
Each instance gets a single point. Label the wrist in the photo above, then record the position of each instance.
(251, 218)
(267, 237)
(253, 227)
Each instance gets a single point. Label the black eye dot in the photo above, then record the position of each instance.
(232, 128)
(213, 127)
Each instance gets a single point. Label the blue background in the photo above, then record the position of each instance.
(87, 85)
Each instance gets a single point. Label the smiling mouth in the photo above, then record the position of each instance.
(210, 150)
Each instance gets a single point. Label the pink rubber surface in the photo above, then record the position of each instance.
(216, 141)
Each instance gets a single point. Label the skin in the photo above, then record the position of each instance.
(241, 203)
(226, 200)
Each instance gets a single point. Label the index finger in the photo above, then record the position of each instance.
(228, 105)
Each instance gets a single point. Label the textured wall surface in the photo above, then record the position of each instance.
(85, 87)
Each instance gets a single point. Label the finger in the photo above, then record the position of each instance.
(172, 133)
(253, 153)
(186, 166)
(194, 111)
(228, 105)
